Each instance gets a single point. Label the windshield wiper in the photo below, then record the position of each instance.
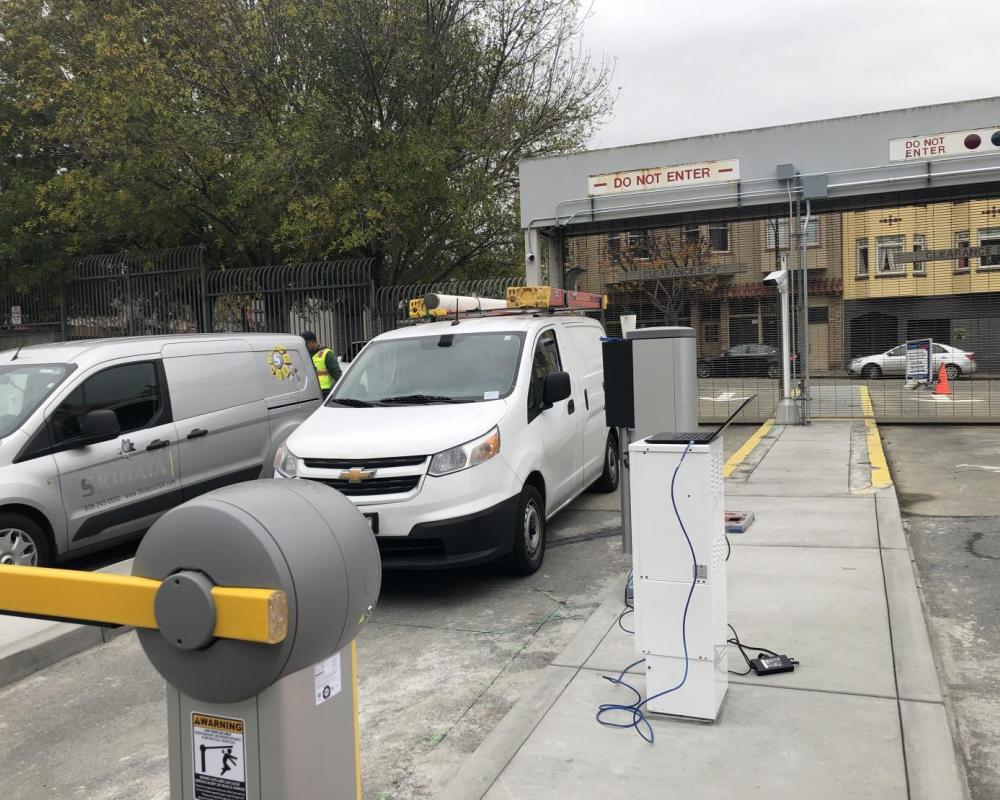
(350, 401)
(419, 399)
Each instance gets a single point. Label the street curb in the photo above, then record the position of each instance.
(933, 768)
(737, 458)
(881, 478)
(52, 642)
(44, 648)
(485, 764)
(889, 518)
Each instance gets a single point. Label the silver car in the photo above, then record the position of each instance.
(893, 362)
(99, 438)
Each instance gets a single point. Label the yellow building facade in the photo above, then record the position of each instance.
(961, 242)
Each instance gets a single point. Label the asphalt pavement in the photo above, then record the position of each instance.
(446, 656)
(947, 479)
(842, 397)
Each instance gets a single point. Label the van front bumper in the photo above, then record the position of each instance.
(456, 542)
(453, 520)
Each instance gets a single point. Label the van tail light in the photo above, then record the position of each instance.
(970, 356)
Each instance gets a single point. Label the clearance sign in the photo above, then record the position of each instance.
(650, 178)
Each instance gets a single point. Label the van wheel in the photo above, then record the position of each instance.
(529, 533)
(608, 482)
(22, 541)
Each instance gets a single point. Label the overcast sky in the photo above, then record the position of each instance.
(686, 67)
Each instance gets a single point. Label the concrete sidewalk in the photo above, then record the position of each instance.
(824, 575)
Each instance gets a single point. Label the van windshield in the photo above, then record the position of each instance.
(23, 388)
(448, 368)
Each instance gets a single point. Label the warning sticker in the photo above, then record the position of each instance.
(327, 674)
(219, 758)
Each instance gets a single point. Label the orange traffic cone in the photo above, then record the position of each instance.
(942, 387)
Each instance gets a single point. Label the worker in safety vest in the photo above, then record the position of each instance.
(325, 362)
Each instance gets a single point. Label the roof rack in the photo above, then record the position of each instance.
(520, 300)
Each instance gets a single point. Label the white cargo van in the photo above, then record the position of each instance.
(459, 439)
(98, 438)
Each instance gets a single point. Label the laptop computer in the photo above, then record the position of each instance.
(698, 437)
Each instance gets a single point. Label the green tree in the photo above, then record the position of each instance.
(284, 130)
(665, 268)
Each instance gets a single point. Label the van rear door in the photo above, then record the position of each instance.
(220, 413)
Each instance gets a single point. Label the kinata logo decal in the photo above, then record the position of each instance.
(116, 485)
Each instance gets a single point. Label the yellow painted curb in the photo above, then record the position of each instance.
(737, 458)
(880, 477)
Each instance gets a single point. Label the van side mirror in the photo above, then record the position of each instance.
(555, 388)
(99, 425)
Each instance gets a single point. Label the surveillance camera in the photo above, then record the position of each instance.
(531, 256)
(777, 278)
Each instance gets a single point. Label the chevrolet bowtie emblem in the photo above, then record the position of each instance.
(356, 475)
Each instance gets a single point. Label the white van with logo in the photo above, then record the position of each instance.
(459, 439)
(99, 438)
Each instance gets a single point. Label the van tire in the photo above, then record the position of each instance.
(529, 533)
(22, 541)
(608, 482)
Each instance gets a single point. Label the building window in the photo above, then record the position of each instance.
(887, 248)
(614, 244)
(962, 241)
(781, 224)
(863, 258)
(819, 314)
(638, 244)
(718, 237)
(691, 234)
(711, 332)
(989, 237)
(919, 245)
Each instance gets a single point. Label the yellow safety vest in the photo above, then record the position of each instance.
(319, 362)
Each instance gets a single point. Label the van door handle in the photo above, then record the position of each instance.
(157, 444)
(586, 400)
(571, 407)
(197, 433)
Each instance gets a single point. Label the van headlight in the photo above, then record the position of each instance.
(286, 464)
(466, 455)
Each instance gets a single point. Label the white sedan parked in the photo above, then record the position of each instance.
(893, 362)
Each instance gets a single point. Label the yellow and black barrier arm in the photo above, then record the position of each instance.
(249, 615)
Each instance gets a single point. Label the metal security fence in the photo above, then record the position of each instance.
(33, 318)
(865, 279)
(333, 299)
(134, 293)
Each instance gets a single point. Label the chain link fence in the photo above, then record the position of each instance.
(878, 274)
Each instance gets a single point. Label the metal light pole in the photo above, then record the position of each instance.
(804, 346)
(788, 410)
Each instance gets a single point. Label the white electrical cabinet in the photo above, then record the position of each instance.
(663, 573)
